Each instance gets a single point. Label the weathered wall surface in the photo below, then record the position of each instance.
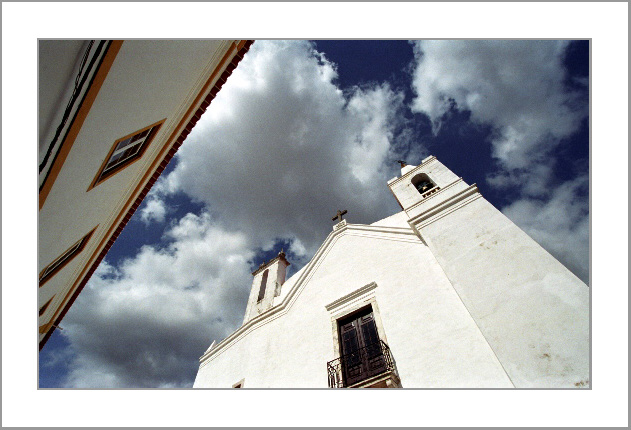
(463, 297)
(532, 310)
(433, 339)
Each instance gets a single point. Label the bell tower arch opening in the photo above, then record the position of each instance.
(423, 183)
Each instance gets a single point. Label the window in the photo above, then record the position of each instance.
(361, 350)
(63, 259)
(239, 384)
(125, 151)
(263, 284)
(359, 343)
(43, 308)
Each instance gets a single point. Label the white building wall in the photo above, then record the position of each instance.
(433, 340)
(406, 193)
(532, 310)
(463, 296)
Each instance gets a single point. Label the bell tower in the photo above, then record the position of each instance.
(429, 191)
(417, 183)
(267, 282)
(501, 275)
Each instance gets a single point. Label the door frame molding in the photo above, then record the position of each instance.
(349, 304)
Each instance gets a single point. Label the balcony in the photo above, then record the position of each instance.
(368, 367)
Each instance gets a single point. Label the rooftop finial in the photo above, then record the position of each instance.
(403, 163)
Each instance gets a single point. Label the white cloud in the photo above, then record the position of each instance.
(282, 148)
(515, 86)
(279, 151)
(146, 323)
(560, 223)
(153, 210)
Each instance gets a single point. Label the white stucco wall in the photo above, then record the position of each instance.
(533, 311)
(406, 193)
(433, 340)
(276, 270)
(400, 219)
(59, 63)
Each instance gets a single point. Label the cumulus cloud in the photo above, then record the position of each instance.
(153, 210)
(283, 148)
(561, 223)
(280, 150)
(145, 323)
(515, 86)
(518, 88)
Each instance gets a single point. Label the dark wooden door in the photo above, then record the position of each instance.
(361, 349)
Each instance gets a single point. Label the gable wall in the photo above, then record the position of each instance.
(426, 325)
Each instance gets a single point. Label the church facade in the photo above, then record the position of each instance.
(447, 293)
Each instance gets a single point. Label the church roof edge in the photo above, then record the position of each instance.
(302, 276)
(409, 172)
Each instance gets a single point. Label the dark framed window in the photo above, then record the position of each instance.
(59, 262)
(360, 347)
(125, 151)
(43, 308)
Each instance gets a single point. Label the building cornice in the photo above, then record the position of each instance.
(412, 172)
(444, 208)
(271, 262)
(435, 196)
(342, 301)
(402, 233)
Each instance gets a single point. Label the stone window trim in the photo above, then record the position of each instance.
(58, 263)
(239, 384)
(349, 304)
(125, 151)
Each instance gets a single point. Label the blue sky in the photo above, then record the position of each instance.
(300, 130)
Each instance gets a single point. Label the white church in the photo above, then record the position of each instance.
(447, 293)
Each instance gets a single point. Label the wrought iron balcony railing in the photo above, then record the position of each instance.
(430, 191)
(359, 365)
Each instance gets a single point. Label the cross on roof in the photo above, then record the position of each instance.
(339, 215)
